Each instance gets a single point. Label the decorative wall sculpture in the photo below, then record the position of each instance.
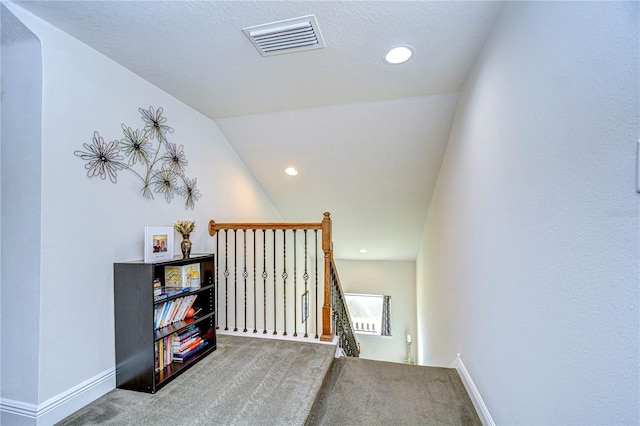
(159, 164)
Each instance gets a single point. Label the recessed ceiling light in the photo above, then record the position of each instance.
(364, 251)
(291, 171)
(399, 54)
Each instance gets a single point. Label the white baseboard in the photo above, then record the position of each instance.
(60, 406)
(473, 392)
(17, 413)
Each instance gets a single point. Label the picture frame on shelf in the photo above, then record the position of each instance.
(158, 243)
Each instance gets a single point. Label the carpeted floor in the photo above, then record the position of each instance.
(253, 381)
(245, 381)
(364, 392)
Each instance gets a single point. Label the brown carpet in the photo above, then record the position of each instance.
(364, 392)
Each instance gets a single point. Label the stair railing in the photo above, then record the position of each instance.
(341, 317)
(264, 258)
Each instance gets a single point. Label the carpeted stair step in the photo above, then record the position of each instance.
(363, 392)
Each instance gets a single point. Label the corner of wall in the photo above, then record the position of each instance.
(21, 210)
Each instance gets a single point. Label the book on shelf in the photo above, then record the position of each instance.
(192, 275)
(171, 316)
(157, 361)
(176, 308)
(163, 313)
(169, 348)
(188, 346)
(164, 352)
(187, 305)
(156, 308)
(183, 345)
(180, 310)
(179, 346)
(172, 310)
(185, 356)
(157, 287)
(182, 337)
(165, 293)
(166, 320)
(160, 354)
(158, 312)
(173, 277)
(187, 332)
(182, 276)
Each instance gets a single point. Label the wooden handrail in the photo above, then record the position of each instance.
(215, 227)
(325, 227)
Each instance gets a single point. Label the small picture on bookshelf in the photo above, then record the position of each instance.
(158, 243)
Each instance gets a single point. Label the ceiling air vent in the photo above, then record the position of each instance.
(291, 35)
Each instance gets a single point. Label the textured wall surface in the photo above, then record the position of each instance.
(529, 266)
(88, 224)
(21, 192)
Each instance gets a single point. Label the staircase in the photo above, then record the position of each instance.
(364, 392)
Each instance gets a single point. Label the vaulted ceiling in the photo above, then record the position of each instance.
(367, 137)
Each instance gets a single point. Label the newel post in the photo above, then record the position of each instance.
(327, 333)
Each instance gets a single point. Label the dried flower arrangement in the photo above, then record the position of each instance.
(184, 226)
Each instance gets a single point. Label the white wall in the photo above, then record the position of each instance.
(396, 279)
(21, 190)
(88, 224)
(1, 13)
(529, 265)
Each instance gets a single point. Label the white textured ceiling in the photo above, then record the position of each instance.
(367, 137)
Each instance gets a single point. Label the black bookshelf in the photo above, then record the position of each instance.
(137, 364)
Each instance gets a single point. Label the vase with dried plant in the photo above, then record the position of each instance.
(185, 228)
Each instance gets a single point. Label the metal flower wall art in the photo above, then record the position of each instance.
(159, 164)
